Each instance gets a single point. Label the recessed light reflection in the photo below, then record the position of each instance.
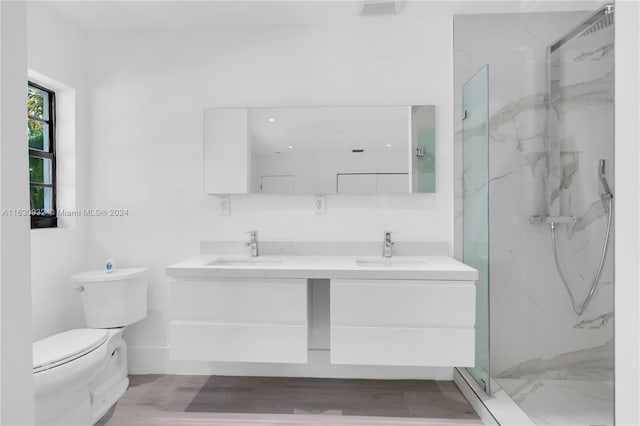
(290, 147)
(388, 145)
(271, 120)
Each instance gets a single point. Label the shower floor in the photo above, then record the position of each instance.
(563, 402)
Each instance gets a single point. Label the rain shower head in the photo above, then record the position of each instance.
(604, 22)
(599, 21)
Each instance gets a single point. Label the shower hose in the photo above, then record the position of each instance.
(579, 309)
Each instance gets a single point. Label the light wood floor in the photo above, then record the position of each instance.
(259, 401)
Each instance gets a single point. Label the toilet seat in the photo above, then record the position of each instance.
(62, 348)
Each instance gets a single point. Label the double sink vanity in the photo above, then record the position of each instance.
(344, 303)
(404, 310)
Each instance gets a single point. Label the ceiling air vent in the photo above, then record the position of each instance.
(357, 150)
(380, 7)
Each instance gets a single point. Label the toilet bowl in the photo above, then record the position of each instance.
(79, 374)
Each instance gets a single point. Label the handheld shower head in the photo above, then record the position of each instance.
(603, 181)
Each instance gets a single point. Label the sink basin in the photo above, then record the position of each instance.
(244, 261)
(392, 262)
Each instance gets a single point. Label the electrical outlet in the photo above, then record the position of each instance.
(320, 204)
(224, 206)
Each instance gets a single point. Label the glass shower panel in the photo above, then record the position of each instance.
(475, 152)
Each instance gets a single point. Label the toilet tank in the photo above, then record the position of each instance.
(113, 299)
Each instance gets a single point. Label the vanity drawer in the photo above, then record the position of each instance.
(402, 303)
(246, 300)
(238, 342)
(403, 322)
(435, 347)
(239, 320)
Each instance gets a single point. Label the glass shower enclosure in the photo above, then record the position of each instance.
(536, 165)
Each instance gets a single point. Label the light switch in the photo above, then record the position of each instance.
(320, 204)
(224, 206)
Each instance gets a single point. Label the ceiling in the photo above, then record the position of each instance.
(167, 15)
(183, 14)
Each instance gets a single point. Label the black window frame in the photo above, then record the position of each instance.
(39, 221)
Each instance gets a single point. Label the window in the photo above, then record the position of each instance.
(41, 108)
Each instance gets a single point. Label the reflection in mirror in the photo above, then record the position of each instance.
(320, 150)
(423, 146)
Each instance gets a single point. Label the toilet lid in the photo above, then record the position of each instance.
(64, 347)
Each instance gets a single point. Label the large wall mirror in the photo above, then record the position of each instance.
(320, 150)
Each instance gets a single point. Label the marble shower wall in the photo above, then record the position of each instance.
(534, 331)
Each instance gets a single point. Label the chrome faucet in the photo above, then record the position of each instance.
(386, 248)
(253, 243)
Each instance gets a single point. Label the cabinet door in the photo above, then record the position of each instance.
(226, 151)
(239, 320)
(403, 322)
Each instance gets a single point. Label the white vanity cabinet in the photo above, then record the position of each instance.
(402, 322)
(415, 311)
(239, 320)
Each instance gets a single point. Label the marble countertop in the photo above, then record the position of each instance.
(322, 267)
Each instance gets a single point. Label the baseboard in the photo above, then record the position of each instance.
(155, 360)
(497, 409)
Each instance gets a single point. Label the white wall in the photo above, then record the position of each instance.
(627, 214)
(16, 384)
(56, 52)
(148, 92)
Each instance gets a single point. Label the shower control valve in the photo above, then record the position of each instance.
(606, 196)
(538, 220)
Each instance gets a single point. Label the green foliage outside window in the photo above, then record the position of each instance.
(35, 108)
(36, 129)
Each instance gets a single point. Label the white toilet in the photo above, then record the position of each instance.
(79, 374)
